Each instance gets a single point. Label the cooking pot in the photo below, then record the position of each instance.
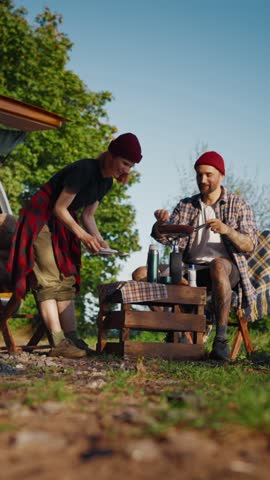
(178, 230)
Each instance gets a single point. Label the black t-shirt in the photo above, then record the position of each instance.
(83, 178)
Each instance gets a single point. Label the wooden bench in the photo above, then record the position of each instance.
(166, 315)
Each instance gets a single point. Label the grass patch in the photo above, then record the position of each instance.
(47, 389)
(148, 336)
(199, 395)
(8, 386)
(193, 394)
(38, 392)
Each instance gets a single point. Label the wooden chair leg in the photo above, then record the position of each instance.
(8, 338)
(9, 309)
(237, 341)
(189, 338)
(6, 313)
(241, 335)
(243, 324)
(37, 336)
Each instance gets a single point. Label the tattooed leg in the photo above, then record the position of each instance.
(221, 290)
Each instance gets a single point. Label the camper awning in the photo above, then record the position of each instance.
(26, 117)
(22, 117)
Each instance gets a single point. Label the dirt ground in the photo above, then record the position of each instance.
(82, 440)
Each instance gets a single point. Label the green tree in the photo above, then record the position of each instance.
(33, 68)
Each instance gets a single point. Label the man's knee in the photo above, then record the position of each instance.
(220, 268)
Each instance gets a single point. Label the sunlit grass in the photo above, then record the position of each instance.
(198, 394)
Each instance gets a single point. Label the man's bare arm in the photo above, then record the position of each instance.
(240, 240)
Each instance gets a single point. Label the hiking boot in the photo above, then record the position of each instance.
(220, 350)
(67, 349)
(82, 345)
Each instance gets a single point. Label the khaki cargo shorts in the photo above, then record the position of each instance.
(51, 283)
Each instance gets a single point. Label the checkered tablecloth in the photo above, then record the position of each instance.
(134, 292)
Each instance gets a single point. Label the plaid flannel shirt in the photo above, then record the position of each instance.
(232, 210)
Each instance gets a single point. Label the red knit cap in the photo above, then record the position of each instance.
(127, 146)
(213, 159)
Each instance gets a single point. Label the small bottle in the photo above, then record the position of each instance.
(152, 264)
(192, 275)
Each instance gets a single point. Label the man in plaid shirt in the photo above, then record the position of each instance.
(220, 250)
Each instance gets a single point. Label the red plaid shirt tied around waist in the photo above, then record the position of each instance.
(66, 245)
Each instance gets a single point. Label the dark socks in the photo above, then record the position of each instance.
(71, 335)
(221, 332)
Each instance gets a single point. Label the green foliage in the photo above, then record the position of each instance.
(139, 336)
(261, 326)
(33, 69)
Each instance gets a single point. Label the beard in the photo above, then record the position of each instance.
(204, 188)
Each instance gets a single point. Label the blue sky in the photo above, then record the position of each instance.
(182, 73)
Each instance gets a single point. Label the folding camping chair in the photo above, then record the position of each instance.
(259, 270)
(9, 305)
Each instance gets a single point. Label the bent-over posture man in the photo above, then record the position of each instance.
(218, 251)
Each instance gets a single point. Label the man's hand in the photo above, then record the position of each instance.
(217, 226)
(162, 215)
(240, 240)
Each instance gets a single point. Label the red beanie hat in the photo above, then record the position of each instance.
(127, 146)
(213, 159)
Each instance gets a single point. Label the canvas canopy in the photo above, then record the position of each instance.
(19, 118)
(9, 139)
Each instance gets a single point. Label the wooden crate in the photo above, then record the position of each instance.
(181, 311)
